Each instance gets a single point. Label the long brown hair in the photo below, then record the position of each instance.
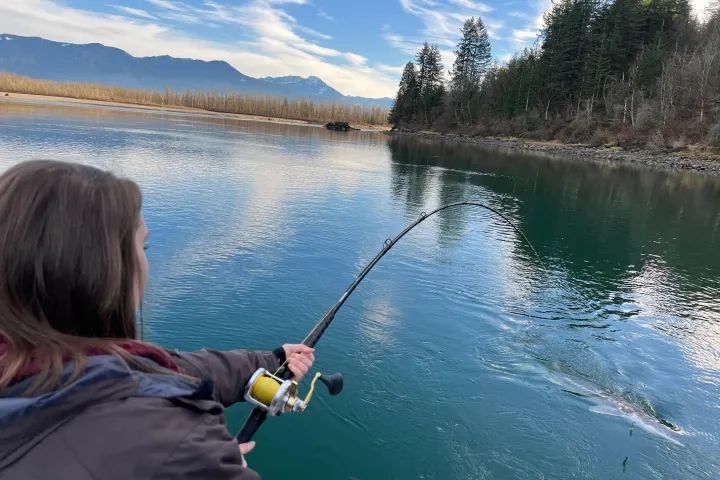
(68, 266)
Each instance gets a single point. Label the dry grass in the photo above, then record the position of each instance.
(278, 107)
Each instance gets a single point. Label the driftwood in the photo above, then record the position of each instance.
(339, 126)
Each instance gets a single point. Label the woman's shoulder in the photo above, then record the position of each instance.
(137, 437)
(115, 423)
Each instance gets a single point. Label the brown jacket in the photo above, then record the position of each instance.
(117, 423)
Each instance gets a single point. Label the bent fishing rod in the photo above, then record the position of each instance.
(276, 393)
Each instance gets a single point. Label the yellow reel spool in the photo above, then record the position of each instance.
(277, 396)
(264, 389)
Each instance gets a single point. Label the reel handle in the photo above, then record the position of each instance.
(334, 383)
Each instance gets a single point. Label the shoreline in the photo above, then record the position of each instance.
(29, 99)
(686, 160)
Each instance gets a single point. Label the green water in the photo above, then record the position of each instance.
(463, 358)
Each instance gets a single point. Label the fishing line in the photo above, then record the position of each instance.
(276, 394)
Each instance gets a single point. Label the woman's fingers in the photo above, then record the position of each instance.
(291, 348)
(300, 359)
(246, 448)
(298, 367)
(299, 364)
(303, 348)
(304, 359)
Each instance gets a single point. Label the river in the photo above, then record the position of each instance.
(464, 357)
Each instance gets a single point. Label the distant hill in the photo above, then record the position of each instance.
(95, 63)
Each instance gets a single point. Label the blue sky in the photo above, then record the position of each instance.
(357, 46)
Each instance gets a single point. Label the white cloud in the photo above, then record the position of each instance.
(701, 8)
(522, 15)
(474, 6)
(405, 45)
(529, 24)
(448, 58)
(390, 69)
(541, 7)
(313, 33)
(273, 47)
(135, 11)
(493, 29)
(183, 18)
(442, 26)
(322, 14)
(504, 59)
(166, 5)
(523, 37)
(355, 59)
(442, 23)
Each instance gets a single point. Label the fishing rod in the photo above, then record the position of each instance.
(275, 394)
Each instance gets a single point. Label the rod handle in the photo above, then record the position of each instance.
(252, 424)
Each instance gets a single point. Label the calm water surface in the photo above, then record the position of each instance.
(462, 357)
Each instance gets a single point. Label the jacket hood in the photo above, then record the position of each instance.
(25, 421)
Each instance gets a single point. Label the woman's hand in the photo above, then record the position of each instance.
(245, 448)
(300, 359)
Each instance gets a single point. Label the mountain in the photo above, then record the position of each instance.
(95, 63)
(310, 86)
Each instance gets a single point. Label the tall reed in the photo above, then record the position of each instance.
(266, 106)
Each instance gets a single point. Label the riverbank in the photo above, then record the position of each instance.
(690, 159)
(26, 98)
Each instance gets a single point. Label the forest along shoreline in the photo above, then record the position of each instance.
(623, 80)
(686, 160)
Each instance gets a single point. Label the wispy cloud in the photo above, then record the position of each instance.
(323, 14)
(521, 15)
(355, 59)
(390, 69)
(135, 12)
(493, 29)
(474, 6)
(273, 44)
(442, 23)
(523, 37)
(183, 17)
(167, 5)
(399, 42)
(313, 33)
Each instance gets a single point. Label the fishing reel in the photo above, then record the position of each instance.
(276, 396)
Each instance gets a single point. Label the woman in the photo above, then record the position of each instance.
(80, 396)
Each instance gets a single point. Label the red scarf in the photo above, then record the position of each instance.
(133, 347)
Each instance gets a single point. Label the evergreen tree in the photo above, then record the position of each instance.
(430, 81)
(471, 64)
(665, 22)
(406, 101)
(421, 60)
(566, 52)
